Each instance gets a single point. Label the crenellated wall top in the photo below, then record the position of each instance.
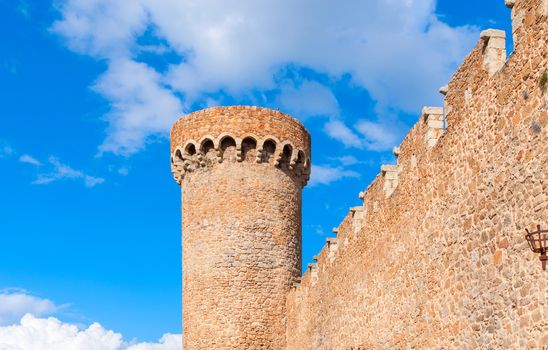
(240, 120)
(240, 133)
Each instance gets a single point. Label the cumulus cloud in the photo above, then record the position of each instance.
(25, 158)
(141, 106)
(22, 327)
(60, 171)
(309, 99)
(34, 333)
(101, 28)
(14, 303)
(366, 134)
(167, 342)
(51, 334)
(379, 136)
(398, 50)
(337, 130)
(325, 175)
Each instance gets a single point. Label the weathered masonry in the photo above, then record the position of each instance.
(241, 170)
(434, 258)
(439, 260)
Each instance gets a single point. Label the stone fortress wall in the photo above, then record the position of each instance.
(436, 256)
(241, 170)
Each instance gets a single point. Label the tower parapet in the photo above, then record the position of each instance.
(240, 133)
(241, 170)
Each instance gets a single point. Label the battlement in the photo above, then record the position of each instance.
(494, 49)
(240, 134)
(435, 256)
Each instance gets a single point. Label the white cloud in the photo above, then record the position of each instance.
(398, 50)
(14, 303)
(167, 342)
(325, 175)
(51, 334)
(347, 160)
(54, 170)
(25, 158)
(308, 99)
(141, 106)
(60, 171)
(337, 130)
(379, 136)
(374, 136)
(101, 28)
(22, 328)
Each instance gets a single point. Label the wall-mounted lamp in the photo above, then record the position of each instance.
(538, 242)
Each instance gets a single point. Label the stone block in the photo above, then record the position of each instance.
(436, 124)
(494, 54)
(389, 168)
(492, 33)
(444, 90)
(426, 111)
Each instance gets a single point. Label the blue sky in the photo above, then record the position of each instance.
(89, 212)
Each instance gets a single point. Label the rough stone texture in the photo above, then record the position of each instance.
(434, 259)
(241, 203)
(442, 262)
(239, 121)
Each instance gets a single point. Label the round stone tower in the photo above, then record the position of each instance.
(241, 170)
